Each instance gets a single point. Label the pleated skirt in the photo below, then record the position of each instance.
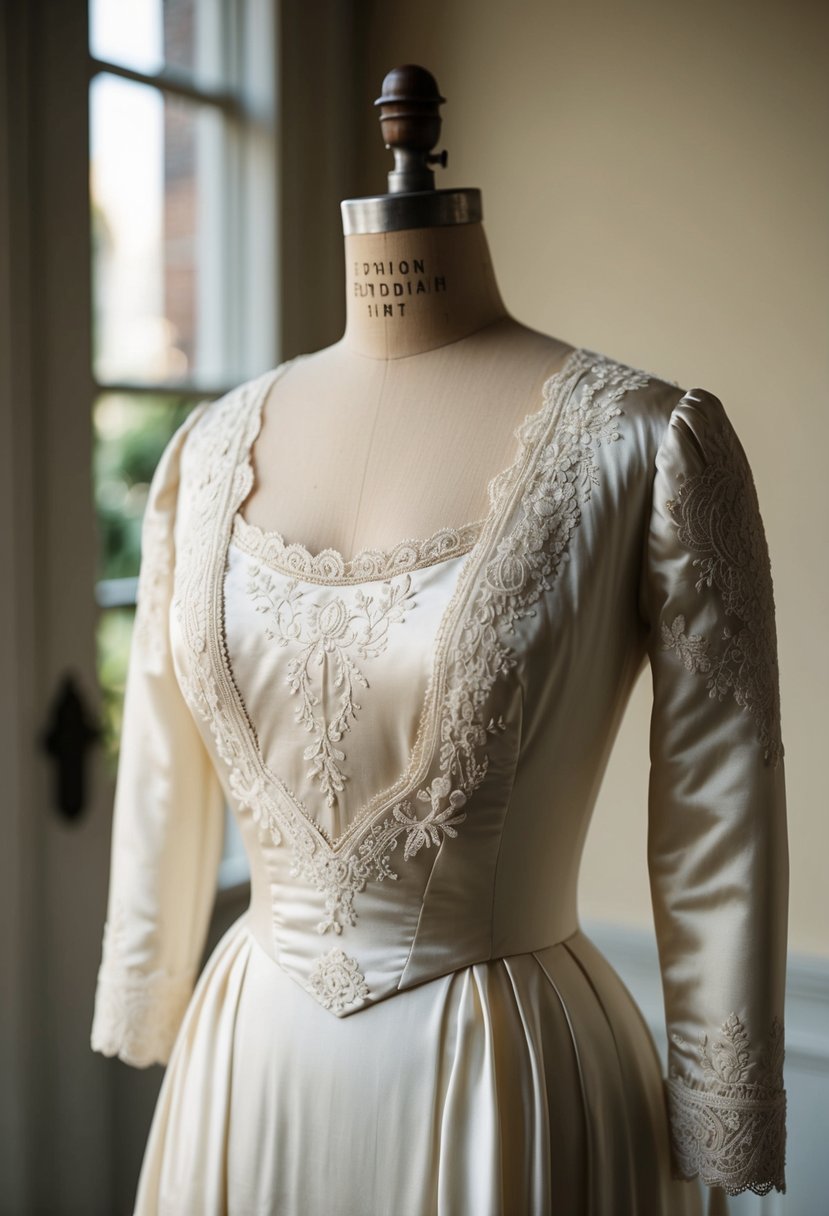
(524, 1086)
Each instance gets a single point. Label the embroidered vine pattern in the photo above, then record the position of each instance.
(328, 632)
(729, 1124)
(718, 518)
(563, 472)
(337, 981)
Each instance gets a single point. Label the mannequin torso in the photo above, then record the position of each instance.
(395, 431)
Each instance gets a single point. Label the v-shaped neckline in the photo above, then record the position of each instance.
(329, 565)
(275, 805)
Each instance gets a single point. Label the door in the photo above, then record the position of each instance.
(137, 226)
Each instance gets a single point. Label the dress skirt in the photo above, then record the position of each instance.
(522, 1086)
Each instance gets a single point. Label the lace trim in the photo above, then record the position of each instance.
(551, 480)
(334, 631)
(150, 632)
(137, 1016)
(337, 981)
(718, 517)
(329, 566)
(730, 1126)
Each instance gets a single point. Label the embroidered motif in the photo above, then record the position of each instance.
(550, 481)
(329, 566)
(426, 831)
(337, 981)
(329, 631)
(692, 648)
(718, 517)
(729, 1126)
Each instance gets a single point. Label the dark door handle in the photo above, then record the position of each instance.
(67, 737)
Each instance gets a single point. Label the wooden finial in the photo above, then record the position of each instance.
(410, 121)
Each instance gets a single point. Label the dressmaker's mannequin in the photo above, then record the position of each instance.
(395, 431)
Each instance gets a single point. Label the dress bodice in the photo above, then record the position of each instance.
(445, 691)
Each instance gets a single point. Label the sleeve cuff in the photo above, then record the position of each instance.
(137, 1017)
(732, 1140)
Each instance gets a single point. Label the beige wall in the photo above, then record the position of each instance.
(654, 178)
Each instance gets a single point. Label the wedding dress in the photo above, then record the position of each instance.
(408, 1019)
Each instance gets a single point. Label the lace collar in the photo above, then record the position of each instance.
(329, 565)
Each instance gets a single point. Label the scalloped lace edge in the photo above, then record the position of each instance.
(137, 1017)
(737, 1143)
(330, 566)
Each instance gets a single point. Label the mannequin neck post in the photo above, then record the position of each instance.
(416, 289)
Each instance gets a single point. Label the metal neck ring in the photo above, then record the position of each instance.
(418, 209)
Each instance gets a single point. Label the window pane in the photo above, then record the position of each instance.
(185, 36)
(130, 432)
(157, 185)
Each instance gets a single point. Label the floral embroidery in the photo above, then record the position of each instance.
(427, 831)
(336, 981)
(329, 566)
(330, 630)
(550, 482)
(692, 648)
(730, 1126)
(718, 517)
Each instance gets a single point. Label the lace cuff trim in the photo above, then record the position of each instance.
(733, 1143)
(137, 1017)
(730, 1126)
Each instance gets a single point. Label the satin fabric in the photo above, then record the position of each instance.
(408, 1018)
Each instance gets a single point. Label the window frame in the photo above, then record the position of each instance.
(246, 239)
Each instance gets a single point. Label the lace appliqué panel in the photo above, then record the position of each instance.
(337, 981)
(329, 636)
(729, 1125)
(137, 1014)
(717, 516)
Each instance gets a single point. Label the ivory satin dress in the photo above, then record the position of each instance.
(408, 1019)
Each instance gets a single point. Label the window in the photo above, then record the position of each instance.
(181, 172)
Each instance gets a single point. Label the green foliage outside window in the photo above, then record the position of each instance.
(130, 433)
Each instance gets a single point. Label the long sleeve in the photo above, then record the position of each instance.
(167, 821)
(717, 836)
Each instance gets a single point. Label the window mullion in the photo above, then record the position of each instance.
(167, 82)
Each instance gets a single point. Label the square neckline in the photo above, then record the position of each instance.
(328, 565)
